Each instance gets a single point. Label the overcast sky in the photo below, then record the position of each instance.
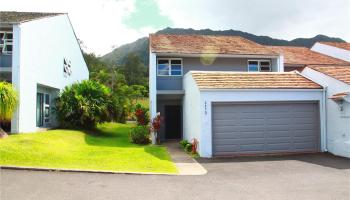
(105, 24)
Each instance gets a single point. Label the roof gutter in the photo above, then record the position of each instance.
(218, 55)
(262, 89)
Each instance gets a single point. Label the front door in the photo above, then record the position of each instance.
(173, 125)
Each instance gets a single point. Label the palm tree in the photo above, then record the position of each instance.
(8, 103)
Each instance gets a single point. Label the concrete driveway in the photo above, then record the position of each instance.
(317, 176)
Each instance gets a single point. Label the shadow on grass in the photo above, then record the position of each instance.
(118, 136)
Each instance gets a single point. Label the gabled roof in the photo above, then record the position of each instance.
(206, 44)
(342, 45)
(341, 73)
(12, 17)
(301, 56)
(252, 80)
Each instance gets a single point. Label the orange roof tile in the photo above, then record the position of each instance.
(342, 45)
(301, 56)
(252, 80)
(341, 73)
(206, 44)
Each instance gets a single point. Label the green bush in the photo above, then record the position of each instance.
(188, 147)
(83, 105)
(8, 101)
(183, 143)
(140, 135)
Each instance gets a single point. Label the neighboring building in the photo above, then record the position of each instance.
(233, 96)
(296, 58)
(40, 55)
(336, 79)
(339, 50)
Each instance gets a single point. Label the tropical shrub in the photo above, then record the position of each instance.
(183, 143)
(140, 135)
(155, 126)
(8, 103)
(83, 105)
(189, 147)
(141, 115)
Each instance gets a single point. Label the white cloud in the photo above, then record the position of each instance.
(98, 23)
(285, 19)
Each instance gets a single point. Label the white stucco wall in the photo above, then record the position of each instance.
(331, 51)
(338, 122)
(207, 97)
(191, 111)
(152, 89)
(43, 45)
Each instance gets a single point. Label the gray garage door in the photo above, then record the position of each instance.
(263, 128)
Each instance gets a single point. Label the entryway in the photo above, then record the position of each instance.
(173, 122)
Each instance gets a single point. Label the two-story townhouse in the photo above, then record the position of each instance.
(39, 55)
(233, 96)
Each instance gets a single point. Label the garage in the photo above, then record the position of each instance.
(265, 128)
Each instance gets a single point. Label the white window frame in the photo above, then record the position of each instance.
(6, 42)
(259, 66)
(169, 61)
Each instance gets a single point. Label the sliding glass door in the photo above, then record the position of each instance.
(39, 109)
(42, 109)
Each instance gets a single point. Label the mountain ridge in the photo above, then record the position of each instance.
(140, 46)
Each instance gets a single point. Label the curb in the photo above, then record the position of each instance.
(85, 171)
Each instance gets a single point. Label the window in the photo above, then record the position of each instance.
(6, 39)
(259, 66)
(169, 67)
(253, 66)
(265, 66)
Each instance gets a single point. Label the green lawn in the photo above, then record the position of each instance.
(109, 150)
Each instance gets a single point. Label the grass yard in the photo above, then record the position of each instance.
(109, 149)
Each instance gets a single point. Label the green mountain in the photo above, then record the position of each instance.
(140, 46)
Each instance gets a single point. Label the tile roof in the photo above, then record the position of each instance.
(17, 17)
(206, 44)
(341, 73)
(252, 80)
(301, 56)
(342, 45)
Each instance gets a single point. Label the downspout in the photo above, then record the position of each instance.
(325, 118)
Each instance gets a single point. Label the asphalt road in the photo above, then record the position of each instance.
(317, 176)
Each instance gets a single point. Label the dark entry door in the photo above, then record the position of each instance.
(173, 125)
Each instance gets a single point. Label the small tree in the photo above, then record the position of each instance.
(8, 103)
